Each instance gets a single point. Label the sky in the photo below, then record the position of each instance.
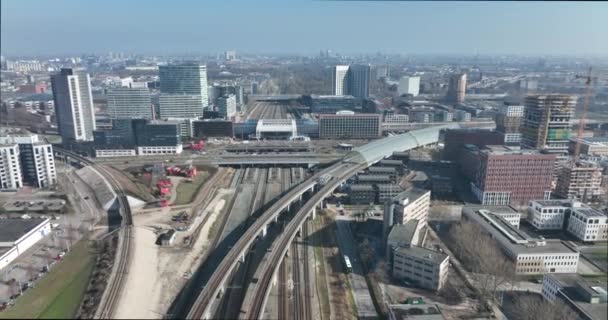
(32, 27)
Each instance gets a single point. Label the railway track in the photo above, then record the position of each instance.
(202, 304)
(306, 310)
(283, 297)
(121, 262)
(297, 293)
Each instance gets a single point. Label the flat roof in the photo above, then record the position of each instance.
(12, 230)
(403, 234)
(589, 212)
(554, 203)
(413, 311)
(412, 194)
(373, 177)
(362, 187)
(423, 253)
(570, 281)
(509, 236)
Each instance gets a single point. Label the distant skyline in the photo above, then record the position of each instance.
(38, 27)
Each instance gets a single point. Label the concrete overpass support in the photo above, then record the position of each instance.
(313, 213)
(264, 230)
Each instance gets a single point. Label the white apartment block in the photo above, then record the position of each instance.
(339, 80)
(588, 224)
(74, 105)
(409, 85)
(34, 160)
(414, 205)
(10, 169)
(425, 268)
(548, 214)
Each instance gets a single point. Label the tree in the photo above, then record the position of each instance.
(527, 307)
(482, 255)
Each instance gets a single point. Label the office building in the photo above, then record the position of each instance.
(588, 224)
(586, 297)
(409, 85)
(591, 146)
(183, 89)
(462, 116)
(501, 175)
(212, 128)
(363, 194)
(73, 105)
(529, 255)
(129, 103)
(158, 137)
(226, 105)
(581, 181)
(423, 267)
(508, 123)
(546, 123)
(358, 80)
(549, 214)
(339, 80)
(387, 191)
(412, 204)
(349, 126)
(457, 88)
(26, 160)
(180, 106)
(351, 80)
(455, 139)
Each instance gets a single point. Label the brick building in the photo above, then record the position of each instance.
(501, 176)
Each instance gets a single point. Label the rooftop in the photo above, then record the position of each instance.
(361, 187)
(511, 238)
(412, 194)
(575, 288)
(12, 230)
(403, 234)
(423, 254)
(415, 311)
(589, 212)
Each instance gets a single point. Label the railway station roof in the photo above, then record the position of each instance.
(382, 148)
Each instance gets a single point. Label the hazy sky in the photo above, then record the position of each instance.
(302, 26)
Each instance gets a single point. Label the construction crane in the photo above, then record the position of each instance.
(583, 116)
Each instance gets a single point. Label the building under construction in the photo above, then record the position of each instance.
(580, 181)
(546, 123)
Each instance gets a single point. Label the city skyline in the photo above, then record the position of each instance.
(187, 27)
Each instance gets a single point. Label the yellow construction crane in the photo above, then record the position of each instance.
(583, 116)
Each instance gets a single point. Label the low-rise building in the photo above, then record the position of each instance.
(588, 224)
(529, 255)
(373, 178)
(18, 235)
(548, 214)
(362, 194)
(417, 311)
(276, 129)
(423, 267)
(587, 298)
(350, 125)
(387, 191)
(212, 128)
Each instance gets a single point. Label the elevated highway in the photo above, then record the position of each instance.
(325, 182)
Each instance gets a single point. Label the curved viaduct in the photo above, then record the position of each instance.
(325, 181)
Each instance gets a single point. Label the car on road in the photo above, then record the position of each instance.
(86, 198)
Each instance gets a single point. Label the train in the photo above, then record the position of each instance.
(347, 265)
